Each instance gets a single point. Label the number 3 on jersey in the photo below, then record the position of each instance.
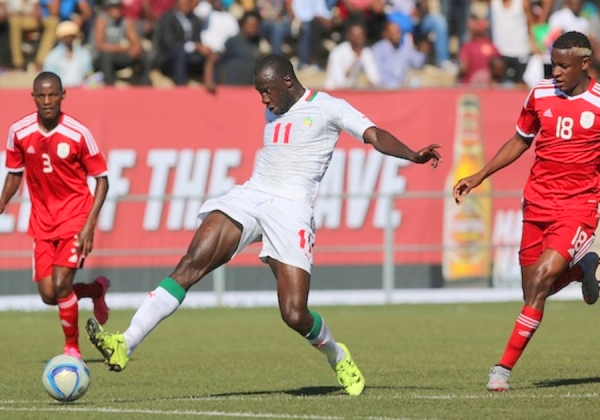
(286, 133)
(46, 163)
(564, 128)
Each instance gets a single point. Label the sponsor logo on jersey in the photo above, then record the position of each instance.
(587, 119)
(30, 150)
(547, 113)
(308, 121)
(63, 150)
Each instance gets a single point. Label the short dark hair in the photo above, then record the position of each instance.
(572, 39)
(48, 75)
(250, 14)
(280, 65)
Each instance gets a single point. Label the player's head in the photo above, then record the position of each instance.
(571, 55)
(275, 80)
(48, 94)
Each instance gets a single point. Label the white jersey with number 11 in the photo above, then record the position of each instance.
(298, 145)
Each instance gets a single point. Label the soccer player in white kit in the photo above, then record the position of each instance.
(274, 206)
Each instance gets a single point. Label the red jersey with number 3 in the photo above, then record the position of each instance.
(564, 176)
(56, 166)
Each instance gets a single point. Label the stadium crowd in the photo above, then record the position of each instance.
(343, 43)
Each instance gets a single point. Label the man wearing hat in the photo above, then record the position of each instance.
(69, 60)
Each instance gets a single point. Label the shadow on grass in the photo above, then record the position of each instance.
(566, 382)
(300, 392)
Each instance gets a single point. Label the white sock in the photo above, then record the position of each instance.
(157, 306)
(325, 343)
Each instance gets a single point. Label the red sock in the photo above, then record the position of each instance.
(527, 322)
(569, 276)
(68, 312)
(87, 290)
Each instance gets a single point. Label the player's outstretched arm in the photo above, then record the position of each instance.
(387, 144)
(508, 153)
(11, 186)
(85, 238)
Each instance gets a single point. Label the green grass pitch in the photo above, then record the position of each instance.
(420, 362)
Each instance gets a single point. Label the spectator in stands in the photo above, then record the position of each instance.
(475, 55)
(23, 17)
(406, 12)
(156, 9)
(569, 18)
(138, 11)
(349, 59)
(116, 45)
(242, 52)
(511, 25)
(315, 20)
(370, 12)
(276, 20)
(219, 26)
(395, 56)
(176, 39)
(498, 74)
(68, 60)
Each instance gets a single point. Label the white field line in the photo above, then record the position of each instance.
(483, 396)
(317, 298)
(167, 412)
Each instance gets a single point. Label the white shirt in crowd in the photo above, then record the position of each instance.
(344, 67)
(565, 20)
(220, 26)
(298, 145)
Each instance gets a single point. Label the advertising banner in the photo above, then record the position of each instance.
(168, 149)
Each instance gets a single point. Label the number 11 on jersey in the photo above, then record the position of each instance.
(286, 133)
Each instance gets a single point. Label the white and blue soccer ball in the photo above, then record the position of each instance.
(66, 378)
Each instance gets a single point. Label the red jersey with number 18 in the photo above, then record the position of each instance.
(564, 176)
(56, 166)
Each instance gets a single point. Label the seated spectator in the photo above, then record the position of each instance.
(406, 12)
(395, 57)
(176, 39)
(276, 22)
(475, 55)
(350, 58)
(23, 17)
(498, 74)
(242, 53)
(70, 61)
(116, 45)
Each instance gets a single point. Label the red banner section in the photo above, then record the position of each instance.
(167, 148)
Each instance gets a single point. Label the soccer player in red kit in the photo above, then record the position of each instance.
(57, 153)
(560, 200)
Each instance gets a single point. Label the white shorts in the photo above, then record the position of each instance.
(286, 227)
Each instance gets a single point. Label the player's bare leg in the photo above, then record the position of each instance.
(68, 308)
(293, 285)
(537, 283)
(213, 244)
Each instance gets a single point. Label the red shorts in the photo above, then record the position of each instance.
(571, 236)
(48, 253)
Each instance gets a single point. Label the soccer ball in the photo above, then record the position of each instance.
(66, 378)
